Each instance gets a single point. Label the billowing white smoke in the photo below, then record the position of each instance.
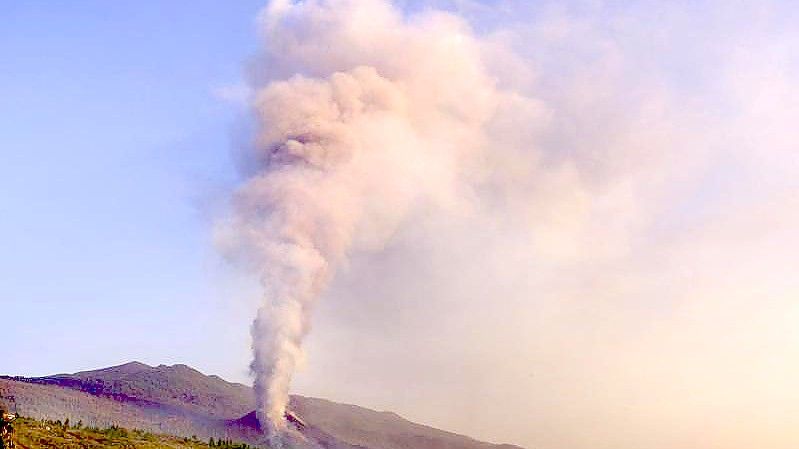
(621, 179)
(363, 117)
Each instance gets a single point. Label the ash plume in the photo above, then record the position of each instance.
(585, 177)
(364, 117)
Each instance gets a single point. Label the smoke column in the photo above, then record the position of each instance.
(621, 179)
(364, 117)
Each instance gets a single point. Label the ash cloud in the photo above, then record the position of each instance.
(584, 212)
(378, 116)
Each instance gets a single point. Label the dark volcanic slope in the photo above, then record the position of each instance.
(364, 427)
(176, 386)
(180, 400)
(54, 402)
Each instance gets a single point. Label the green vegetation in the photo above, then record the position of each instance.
(227, 444)
(6, 429)
(35, 434)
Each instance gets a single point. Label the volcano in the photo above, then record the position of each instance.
(182, 401)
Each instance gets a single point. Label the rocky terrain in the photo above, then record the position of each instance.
(179, 400)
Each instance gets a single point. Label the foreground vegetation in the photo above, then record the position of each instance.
(34, 434)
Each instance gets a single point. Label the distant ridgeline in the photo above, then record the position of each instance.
(181, 401)
(40, 400)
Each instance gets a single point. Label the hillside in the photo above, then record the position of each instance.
(179, 400)
(36, 434)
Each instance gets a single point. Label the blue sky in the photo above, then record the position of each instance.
(114, 150)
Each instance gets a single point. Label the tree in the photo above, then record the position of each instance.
(6, 431)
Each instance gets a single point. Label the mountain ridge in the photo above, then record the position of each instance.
(181, 400)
